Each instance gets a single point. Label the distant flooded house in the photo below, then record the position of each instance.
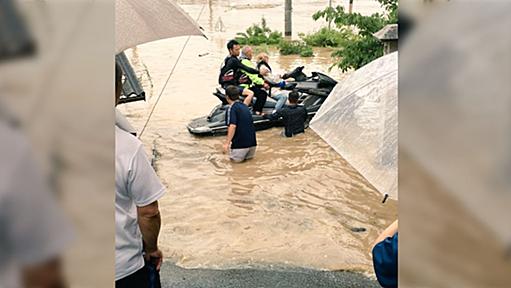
(389, 36)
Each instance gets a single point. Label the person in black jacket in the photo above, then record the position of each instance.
(293, 116)
(230, 73)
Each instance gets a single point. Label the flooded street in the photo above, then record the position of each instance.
(296, 203)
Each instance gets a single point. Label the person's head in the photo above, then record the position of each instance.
(248, 52)
(263, 57)
(118, 82)
(293, 97)
(234, 48)
(232, 93)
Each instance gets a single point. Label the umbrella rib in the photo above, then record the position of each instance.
(168, 78)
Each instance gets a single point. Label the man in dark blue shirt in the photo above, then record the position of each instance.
(241, 137)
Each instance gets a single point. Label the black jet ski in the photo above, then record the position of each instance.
(313, 91)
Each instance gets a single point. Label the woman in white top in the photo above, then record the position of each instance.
(265, 70)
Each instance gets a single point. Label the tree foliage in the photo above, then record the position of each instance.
(295, 47)
(358, 46)
(259, 34)
(325, 38)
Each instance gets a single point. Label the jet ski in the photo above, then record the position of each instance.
(313, 90)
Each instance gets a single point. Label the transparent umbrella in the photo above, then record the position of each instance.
(359, 120)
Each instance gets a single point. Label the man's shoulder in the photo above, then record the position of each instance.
(126, 143)
(242, 107)
(231, 59)
(299, 108)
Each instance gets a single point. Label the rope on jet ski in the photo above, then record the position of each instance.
(170, 75)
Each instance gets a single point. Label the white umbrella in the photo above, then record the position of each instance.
(359, 120)
(142, 21)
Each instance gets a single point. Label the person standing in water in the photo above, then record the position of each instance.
(294, 116)
(241, 136)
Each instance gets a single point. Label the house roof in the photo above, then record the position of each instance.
(387, 33)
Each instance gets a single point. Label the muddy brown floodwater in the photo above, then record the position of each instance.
(295, 204)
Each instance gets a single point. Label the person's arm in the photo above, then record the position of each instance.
(230, 134)
(388, 232)
(149, 221)
(46, 275)
(264, 71)
(145, 188)
(253, 77)
(273, 116)
(245, 67)
(256, 79)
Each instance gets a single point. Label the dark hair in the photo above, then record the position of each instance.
(293, 96)
(231, 44)
(118, 81)
(232, 92)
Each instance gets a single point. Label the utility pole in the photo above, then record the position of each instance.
(351, 6)
(330, 20)
(287, 21)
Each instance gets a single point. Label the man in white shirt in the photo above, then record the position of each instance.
(137, 217)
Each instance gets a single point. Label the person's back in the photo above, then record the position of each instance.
(244, 136)
(255, 80)
(229, 73)
(293, 116)
(241, 137)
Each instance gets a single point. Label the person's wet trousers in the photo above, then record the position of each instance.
(261, 96)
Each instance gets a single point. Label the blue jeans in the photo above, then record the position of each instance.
(281, 100)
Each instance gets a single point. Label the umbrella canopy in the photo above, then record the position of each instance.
(142, 21)
(359, 120)
(456, 114)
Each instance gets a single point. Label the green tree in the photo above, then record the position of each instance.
(358, 46)
(259, 34)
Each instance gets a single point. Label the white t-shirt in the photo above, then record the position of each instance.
(33, 228)
(136, 184)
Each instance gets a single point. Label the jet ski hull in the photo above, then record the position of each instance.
(214, 123)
